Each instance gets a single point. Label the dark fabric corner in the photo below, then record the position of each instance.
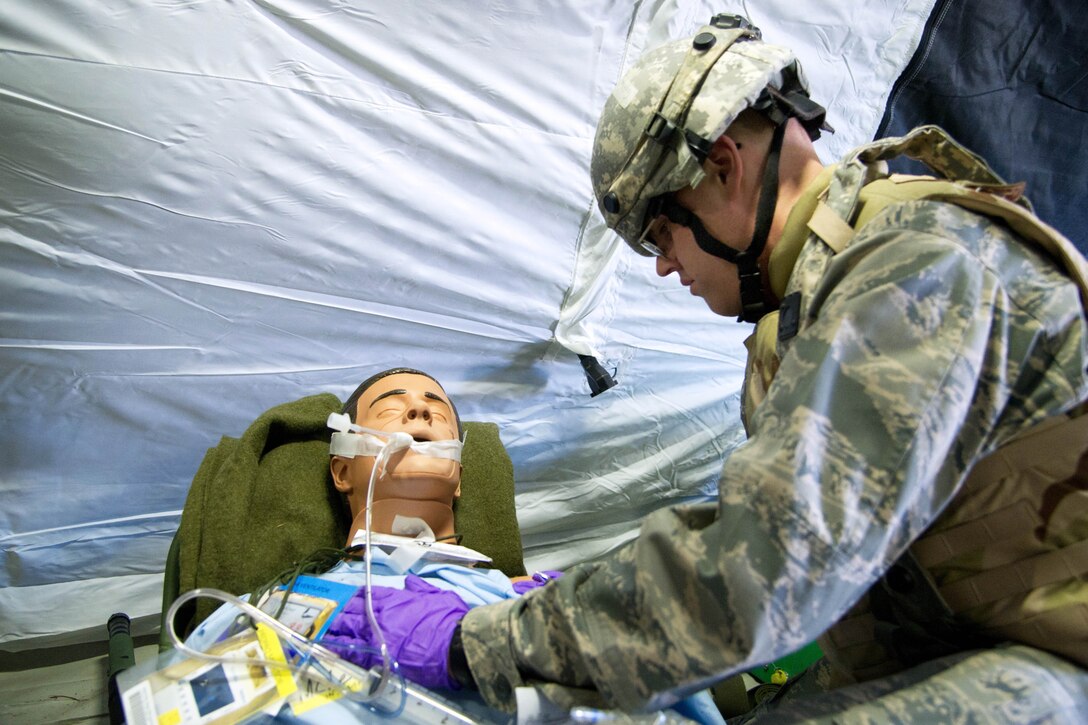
(1010, 82)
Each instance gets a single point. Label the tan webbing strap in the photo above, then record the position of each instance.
(1032, 447)
(937, 548)
(853, 630)
(830, 227)
(936, 149)
(1018, 577)
(1061, 631)
(929, 144)
(1007, 618)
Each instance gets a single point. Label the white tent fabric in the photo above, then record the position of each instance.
(211, 207)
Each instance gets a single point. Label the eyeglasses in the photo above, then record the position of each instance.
(656, 238)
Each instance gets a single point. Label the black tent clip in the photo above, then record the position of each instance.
(598, 377)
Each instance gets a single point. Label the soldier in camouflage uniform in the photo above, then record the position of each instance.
(915, 483)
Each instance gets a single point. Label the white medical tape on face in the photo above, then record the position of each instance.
(354, 440)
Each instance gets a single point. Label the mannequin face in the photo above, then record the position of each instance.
(413, 485)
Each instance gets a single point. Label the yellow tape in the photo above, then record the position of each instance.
(315, 694)
(170, 717)
(270, 643)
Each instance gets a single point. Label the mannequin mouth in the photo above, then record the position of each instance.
(425, 436)
(420, 433)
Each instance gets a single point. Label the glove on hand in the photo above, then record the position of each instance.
(539, 579)
(417, 622)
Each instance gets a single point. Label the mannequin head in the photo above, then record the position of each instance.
(413, 485)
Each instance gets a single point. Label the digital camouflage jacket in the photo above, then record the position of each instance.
(933, 338)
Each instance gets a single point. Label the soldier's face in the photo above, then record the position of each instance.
(725, 202)
(706, 276)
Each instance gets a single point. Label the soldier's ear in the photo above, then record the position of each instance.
(724, 161)
(724, 152)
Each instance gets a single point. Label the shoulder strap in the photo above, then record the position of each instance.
(972, 184)
(940, 152)
(929, 144)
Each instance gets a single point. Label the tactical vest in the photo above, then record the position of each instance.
(1008, 558)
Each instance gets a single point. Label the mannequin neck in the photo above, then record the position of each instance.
(437, 515)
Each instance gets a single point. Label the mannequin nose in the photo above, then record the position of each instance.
(419, 410)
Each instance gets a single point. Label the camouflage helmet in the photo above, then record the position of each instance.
(662, 118)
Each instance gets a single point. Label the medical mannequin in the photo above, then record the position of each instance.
(414, 486)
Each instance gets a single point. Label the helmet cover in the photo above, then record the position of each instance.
(673, 103)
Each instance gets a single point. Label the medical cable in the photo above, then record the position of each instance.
(320, 658)
(353, 440)
(397, 441)
(315, 656)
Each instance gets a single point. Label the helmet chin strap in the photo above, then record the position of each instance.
(753, 303)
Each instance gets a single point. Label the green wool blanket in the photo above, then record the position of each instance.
(265, 501)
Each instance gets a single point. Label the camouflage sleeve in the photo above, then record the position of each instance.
(915, 365)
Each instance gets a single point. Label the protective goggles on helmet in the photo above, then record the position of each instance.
(656, 238)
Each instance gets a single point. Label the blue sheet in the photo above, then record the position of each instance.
(476, 586)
